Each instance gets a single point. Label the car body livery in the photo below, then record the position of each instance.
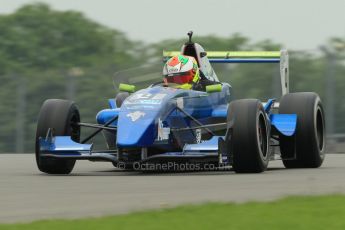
(161, 123)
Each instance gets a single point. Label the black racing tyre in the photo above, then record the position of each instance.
(248, 139)
(61, 116)
(310, 131)
(120, 97)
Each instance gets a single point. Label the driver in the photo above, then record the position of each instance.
(183, 71)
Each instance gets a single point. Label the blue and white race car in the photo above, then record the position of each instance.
(165, 125)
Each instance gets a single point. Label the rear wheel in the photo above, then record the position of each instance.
(248, 139)
(61, 116)
(306, 148)
(120, 97)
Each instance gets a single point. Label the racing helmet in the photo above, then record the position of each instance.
(181, 70)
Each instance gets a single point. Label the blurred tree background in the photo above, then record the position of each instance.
(62, 54)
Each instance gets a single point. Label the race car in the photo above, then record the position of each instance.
(162, 124)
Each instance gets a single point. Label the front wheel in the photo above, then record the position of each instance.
(248, 138)
(62, 117)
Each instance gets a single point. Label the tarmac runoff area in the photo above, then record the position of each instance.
(97, 188)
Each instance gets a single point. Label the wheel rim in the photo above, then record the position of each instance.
(262, 135)
(320, 126)
(74, 128)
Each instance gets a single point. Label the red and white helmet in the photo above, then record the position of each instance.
(181, 70)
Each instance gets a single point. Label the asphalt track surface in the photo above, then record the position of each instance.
(97, 189)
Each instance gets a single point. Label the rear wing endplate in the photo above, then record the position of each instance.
(280, 57)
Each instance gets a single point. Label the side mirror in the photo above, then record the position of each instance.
(127, 88)
(203, 54)
(214, 88)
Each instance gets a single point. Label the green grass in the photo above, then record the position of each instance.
(293, 213)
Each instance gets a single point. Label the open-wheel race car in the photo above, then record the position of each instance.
(164, 124)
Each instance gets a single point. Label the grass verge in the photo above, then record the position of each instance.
(308, 212)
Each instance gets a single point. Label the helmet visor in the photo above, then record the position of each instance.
(180, 78)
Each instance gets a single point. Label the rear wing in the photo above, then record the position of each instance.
(280, 57)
